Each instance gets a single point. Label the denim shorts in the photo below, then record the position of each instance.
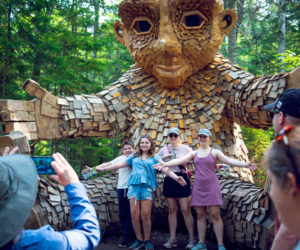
(140, 192)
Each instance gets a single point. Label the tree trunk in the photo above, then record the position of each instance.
(240, 9)
(232, 37)
(7, 51)
(96, 23)
(37, 66)
(74, 17)
(281, 28)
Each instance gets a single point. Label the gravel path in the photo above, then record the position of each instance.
(111, 239)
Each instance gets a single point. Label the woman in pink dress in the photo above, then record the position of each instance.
(206, 190)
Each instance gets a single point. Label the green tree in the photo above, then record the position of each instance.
(257, 142)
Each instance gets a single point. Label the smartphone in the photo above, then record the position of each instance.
(89, 174)
(43, 164)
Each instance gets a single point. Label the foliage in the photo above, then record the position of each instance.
(257, 46)
(54, 43)
(257, 142)
(81, 152)
(41, 148)
(287, 61)
(69, 48)
(257, 41)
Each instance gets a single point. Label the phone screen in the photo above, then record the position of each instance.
(43, 164)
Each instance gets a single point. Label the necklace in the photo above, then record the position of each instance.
(144, 157)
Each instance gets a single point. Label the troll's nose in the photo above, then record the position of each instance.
(169, 46)
(167, 39)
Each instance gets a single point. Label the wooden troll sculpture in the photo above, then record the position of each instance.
(179, 79)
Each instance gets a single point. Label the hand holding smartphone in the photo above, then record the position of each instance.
(43, 164)
(88, 173)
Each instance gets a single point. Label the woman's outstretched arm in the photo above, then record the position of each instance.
(112, 166)
(175, 162)
(233, 162)
(174, 176)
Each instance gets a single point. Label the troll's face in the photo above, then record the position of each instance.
(173, 39)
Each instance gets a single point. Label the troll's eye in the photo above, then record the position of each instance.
(193, 19)
(142, 25)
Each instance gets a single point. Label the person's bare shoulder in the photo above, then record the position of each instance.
(216, 152)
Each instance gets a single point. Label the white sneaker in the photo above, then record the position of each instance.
(191, 244)
(170, 243)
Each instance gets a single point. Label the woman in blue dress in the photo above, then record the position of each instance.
(141, 185)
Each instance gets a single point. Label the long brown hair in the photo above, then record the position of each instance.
(151, 151)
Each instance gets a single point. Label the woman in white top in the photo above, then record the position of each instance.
(174, 192)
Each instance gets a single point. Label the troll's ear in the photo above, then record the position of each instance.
(119, 32)
(228, 21)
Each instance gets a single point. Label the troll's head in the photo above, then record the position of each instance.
(173, 39)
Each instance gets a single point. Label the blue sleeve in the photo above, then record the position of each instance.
(157, 158)
(298, 246)
(86, 230)
(129, 160)
(84, 235)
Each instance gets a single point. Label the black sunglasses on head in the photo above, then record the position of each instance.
(173, 135)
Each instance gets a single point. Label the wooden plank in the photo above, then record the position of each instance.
(26, 127)
(103, 126)
(17, 105)
(15, 138)
(49, 110)
(62, 101)
(8, 115)
(34, 89)
(47, 126)
(51, 99)
(88, 125)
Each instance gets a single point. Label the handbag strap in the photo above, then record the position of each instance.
(181, 167)
(147, 173)
(171, 151)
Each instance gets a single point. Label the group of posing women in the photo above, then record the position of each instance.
(137, 171)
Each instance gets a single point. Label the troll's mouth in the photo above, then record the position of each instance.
(166, 69)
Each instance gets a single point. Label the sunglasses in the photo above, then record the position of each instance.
(282, 138)
(173, 135)
(273, 112)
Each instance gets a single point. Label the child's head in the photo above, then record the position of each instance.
(283, 160)
(146, 145)
(127, 148)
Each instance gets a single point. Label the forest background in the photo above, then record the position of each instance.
(69, 48)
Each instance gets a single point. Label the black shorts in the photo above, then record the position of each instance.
(172, 189)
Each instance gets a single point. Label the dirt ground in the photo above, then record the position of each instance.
(112, 238)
